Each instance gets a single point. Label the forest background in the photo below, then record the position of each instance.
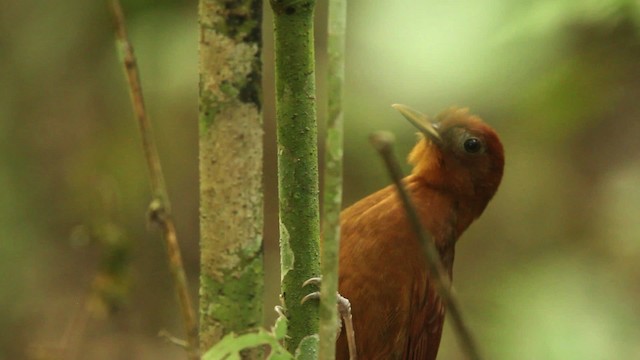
(551, 271)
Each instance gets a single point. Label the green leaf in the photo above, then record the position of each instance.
(231, 345)
(280, 356)
(308, 348)
(280, 328)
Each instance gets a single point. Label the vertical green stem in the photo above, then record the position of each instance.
(297, 162)
(231, 202)
(333, 180)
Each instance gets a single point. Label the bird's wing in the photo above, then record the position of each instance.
(355, 211)
(427, 320)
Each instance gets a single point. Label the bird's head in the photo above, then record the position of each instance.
(458, 153)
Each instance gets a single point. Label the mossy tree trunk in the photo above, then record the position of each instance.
(297, 162)
(231, 201)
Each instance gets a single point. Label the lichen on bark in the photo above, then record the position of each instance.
(230, 48)
(231, 201)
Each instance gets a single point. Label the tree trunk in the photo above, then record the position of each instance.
(231, 201)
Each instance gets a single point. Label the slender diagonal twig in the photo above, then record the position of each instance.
(383, 142)
(160, 207)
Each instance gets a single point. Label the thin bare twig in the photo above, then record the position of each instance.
(172, 339)
(160, 207)
(383, 142)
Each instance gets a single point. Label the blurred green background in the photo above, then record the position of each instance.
(550, 271)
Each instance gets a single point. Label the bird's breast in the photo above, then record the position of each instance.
(383, 272)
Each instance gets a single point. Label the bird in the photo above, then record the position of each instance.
(458, 164)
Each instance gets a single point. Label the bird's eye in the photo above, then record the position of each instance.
(472, 145)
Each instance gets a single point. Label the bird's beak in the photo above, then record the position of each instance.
(419, 120)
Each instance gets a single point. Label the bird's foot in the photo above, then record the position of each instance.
(280, 311)
(344, 306)
(344, 309)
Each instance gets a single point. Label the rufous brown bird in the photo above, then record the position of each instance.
(397, 314)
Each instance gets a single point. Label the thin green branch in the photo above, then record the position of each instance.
(383, 142)
(160, 207)
(332, 199)
(297, 162)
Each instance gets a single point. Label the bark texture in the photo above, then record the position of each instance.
(231, 201)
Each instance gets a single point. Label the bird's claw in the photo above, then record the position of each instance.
(344, 308)
(280, 311)
(313, 281)
(314, 295)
